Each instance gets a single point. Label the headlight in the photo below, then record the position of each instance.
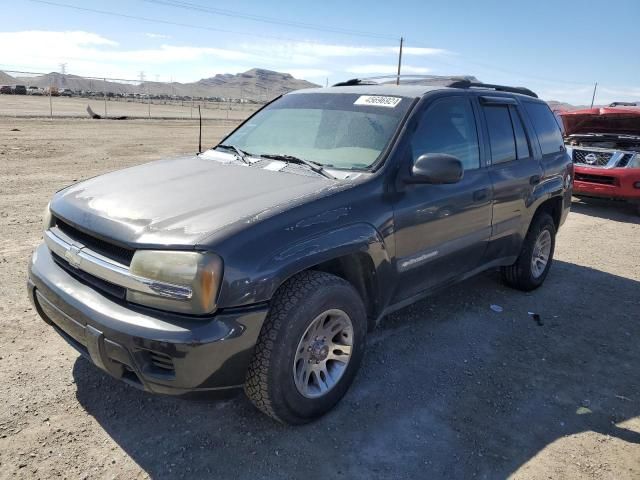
(188, 282)
(47, 218)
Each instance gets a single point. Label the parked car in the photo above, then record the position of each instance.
(66, 92)
(266, 260)
(6, 90)
(19, 90)
(604, 144)
(33, 90)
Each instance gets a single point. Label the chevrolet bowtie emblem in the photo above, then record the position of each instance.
(73, 256)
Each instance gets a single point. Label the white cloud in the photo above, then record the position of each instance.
(91, 54)
(386, 69)
(157, 35)
(306, 50)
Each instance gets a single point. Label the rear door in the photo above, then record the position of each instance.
(442, 230)
(514, 170)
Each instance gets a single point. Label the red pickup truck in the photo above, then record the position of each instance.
(604, 144)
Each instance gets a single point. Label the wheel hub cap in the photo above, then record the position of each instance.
(323, 353)
(541, 253)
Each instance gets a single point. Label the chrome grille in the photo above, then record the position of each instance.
(592, 157)
(114, 252)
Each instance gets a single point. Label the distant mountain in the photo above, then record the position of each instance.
(557, 106)
(254, 84)
(6, 79)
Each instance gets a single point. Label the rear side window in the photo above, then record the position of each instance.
(448, 126)
(501, 138)
(546, 127)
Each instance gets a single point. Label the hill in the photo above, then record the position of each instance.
(6, 79)
(254, 84)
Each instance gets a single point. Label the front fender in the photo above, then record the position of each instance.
(269, 275)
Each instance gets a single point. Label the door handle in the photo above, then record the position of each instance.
(534, 180)
(481, 194)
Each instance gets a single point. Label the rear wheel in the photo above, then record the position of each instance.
(309, 349)
(533, 264)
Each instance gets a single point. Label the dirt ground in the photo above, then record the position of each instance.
(449, 388)
(36, 106)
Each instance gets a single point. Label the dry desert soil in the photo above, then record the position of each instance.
(449, 388)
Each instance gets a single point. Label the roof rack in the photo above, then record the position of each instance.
(451, 82)
(498, 88)
(354, 81)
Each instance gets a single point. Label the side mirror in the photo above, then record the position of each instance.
(436, 168)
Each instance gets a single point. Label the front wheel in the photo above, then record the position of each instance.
(533, 264)
(309, 349)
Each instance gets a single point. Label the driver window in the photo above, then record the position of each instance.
(448, 126)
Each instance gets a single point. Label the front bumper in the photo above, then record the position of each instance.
(617, 183)
(151, 350)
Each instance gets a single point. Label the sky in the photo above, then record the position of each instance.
(559, 49)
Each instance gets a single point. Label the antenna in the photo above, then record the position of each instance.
(595, 87)
(200, 131)
(399, 61)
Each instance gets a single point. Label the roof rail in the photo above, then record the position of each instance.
(443, 81)
(354, 81)
(499, 88)
(387, 79)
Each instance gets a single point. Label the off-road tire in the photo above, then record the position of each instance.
(520, 275)
(269, 383)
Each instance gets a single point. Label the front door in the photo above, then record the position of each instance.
(441, 231)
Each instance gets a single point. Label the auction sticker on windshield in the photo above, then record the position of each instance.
(378, 101)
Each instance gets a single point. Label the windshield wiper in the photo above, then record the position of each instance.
(239, 153)
(314, 166)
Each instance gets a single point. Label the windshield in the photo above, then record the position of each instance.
(347, 131)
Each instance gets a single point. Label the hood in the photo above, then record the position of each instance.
(609, 120)
(179, 202)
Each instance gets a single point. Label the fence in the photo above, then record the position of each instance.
(67, 96)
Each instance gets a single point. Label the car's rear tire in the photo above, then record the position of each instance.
(536, 256)
(314, 335)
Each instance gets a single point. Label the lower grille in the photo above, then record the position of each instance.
(592, 157)
(161, 360)
(600, 179)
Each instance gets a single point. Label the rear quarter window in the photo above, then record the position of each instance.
(545, 126)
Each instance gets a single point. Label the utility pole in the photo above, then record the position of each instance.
(399, 61)
(595, 87)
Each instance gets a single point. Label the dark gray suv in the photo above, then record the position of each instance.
(264, 261)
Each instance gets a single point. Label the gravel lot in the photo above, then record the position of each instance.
(449, 387)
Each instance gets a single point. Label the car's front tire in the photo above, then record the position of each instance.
(533, 264)
(309, 349)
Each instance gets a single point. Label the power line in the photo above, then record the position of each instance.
(259, 18)
(168, 22)
(253, 34)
